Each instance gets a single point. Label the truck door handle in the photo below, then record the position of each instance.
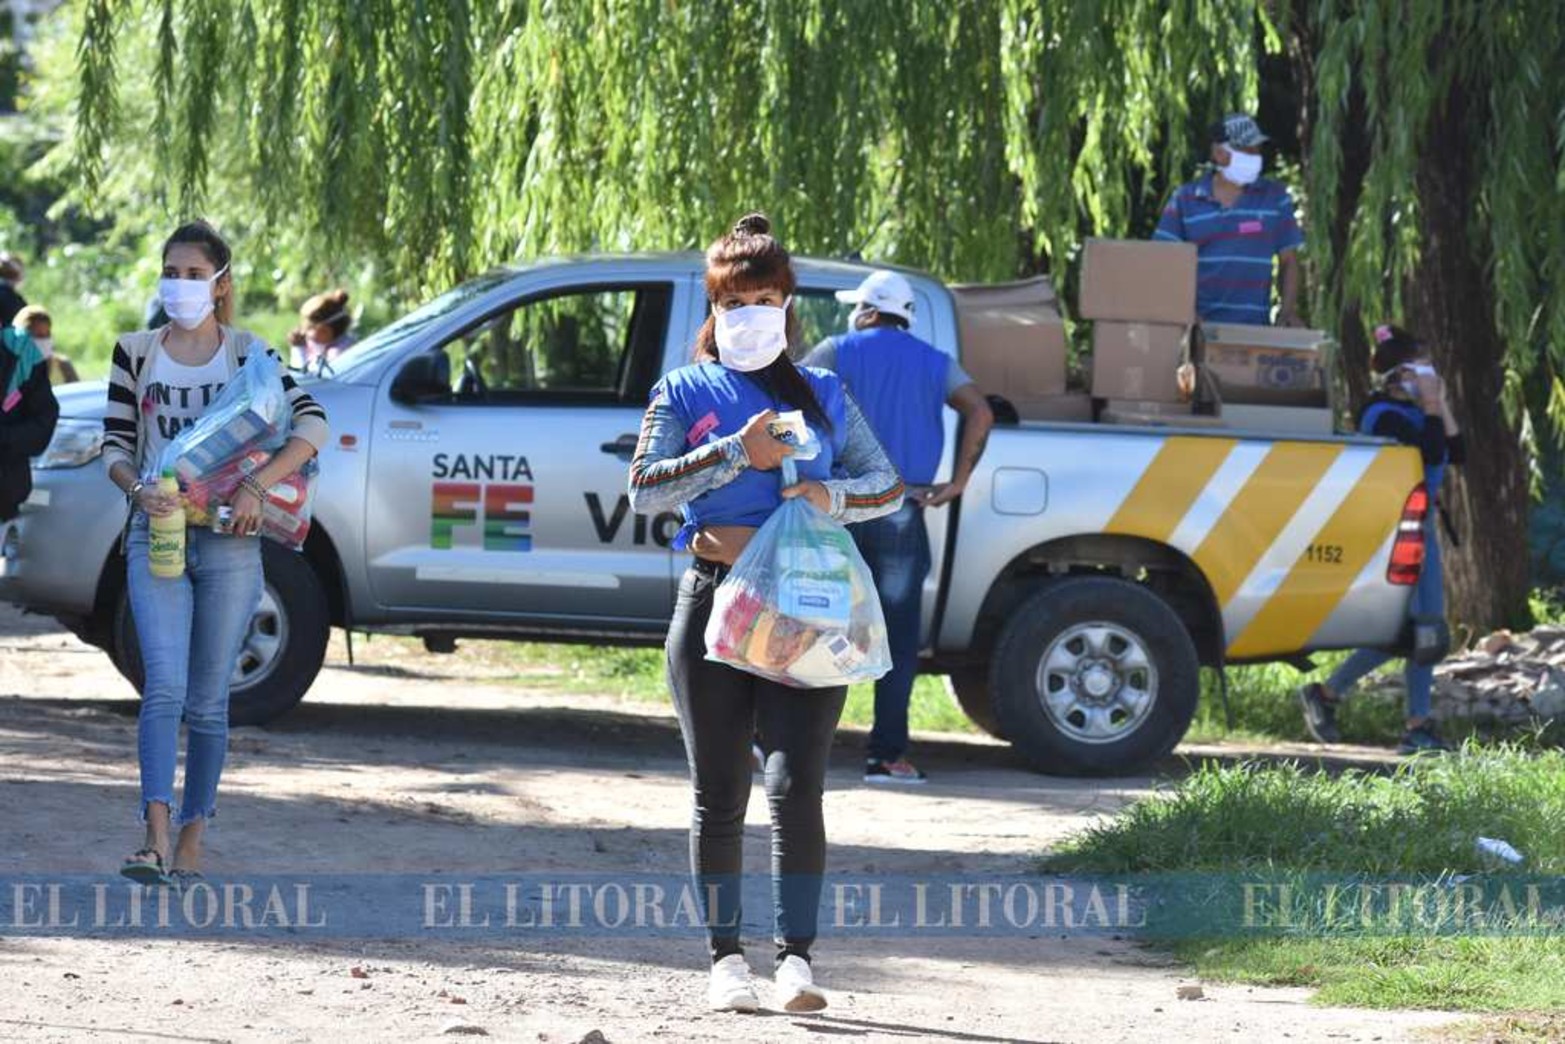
(623, 447)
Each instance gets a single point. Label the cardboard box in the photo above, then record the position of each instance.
(1070, 408)
(1308, 421)
(1137, 361)
(1156, 415)
(1134, 280)
(1013, 339)
(1268, 365)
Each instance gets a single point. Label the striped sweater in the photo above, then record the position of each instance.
(666, 474)
(123, 438)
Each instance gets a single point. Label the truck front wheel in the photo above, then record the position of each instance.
(1094, 676)
(969, 687)
(284, 645)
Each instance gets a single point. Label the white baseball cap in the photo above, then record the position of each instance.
(884, 291)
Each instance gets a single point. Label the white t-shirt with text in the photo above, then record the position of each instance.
(176, 396)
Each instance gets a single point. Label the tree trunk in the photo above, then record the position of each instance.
(1450, 303)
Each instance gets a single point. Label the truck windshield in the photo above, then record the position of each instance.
(393, 335)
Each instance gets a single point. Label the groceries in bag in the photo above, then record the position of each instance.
(285, 515)
(799, 606)
(248, 422)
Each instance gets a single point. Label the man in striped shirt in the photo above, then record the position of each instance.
(1239, 221)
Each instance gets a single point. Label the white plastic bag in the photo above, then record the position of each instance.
(799, 606)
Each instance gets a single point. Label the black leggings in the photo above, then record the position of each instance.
(720, 710)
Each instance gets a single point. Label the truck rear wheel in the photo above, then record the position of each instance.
(283, 649)
(969, 687)
(1094, 676)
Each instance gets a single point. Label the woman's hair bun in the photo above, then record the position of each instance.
(754, 224)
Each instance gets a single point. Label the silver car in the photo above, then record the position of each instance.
(475, 484)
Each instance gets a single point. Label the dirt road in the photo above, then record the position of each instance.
(432, 765)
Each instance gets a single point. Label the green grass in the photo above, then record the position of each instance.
(1463, 973)
(638, 674)
(1266, 707)
(1420, 821)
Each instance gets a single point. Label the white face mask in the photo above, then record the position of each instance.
(45, 345)
(752, 337)
(188, 301)
(1243, 167)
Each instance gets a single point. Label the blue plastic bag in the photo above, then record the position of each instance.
(251, 413)
(249, 421)
(800, 606)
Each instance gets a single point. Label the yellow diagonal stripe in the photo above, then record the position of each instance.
(1171, 483)
(1287, 475)
(1317, 583)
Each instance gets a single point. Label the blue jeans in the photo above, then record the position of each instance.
(1428, 599)
(191, 629)
(896, 548)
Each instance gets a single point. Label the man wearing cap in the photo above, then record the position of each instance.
(1239, 221)
(902, 384)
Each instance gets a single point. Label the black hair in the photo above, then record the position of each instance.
(215, 247)
(749, 257)
(1394, 347)
(872, 317)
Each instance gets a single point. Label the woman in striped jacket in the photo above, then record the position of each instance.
(190, 628)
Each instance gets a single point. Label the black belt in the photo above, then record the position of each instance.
(707, 567)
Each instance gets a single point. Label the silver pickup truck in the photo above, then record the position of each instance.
(474, 486)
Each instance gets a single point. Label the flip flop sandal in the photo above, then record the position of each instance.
(145, 867)
(182, 879)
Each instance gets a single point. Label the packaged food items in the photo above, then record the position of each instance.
(799, 606)
(247, 423)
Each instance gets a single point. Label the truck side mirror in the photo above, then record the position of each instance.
(423, 378)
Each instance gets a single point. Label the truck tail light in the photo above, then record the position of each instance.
(1407, 554)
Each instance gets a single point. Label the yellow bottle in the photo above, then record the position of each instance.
(166, 539)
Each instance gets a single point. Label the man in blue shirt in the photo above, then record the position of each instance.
(902, 385)
(1239, 221)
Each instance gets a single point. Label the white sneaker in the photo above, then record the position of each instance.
(730, 988)
(796, 989)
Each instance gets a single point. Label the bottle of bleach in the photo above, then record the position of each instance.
(166, 536)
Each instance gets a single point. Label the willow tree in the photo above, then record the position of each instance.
(977, 138)
(446, 135)
(1435, 136)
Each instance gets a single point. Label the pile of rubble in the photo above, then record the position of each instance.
(1505, 680)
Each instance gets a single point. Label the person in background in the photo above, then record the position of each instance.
(34, 321)
(705, 449)
(903, 385)
(1410, 407)
(11, 299)
(28, 412)
(190, 628)
(1239, 221)
(322, 334)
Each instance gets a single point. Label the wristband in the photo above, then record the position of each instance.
(254, 488)
(134, 491)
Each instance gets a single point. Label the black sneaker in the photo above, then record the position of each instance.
(1423, 740)
(1320, 713)
(901, 771)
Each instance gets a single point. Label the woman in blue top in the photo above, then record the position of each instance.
(705, 449)
(1410, 406)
